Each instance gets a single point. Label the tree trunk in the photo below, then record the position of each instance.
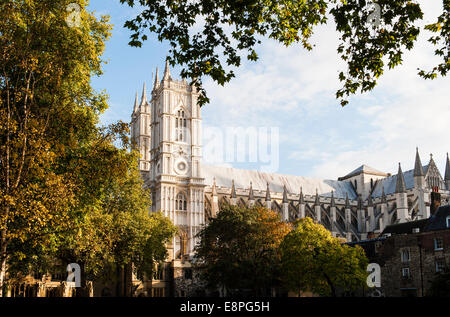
(2, 260)
(333, 290)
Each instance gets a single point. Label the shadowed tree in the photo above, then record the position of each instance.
(238, 250)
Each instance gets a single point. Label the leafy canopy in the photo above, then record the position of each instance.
(209, 37)
(238, 249)
(66, 191)
(313, 260)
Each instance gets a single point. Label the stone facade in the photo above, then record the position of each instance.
(167, 131)
(411, 255)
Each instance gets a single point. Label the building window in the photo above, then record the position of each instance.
(158, 292)
(405, 256)
(405, 272)
(438, 244)
(188, 274)
(180, 202)
(448, 221)
(440, 265)
(180, 126)
(158, 273)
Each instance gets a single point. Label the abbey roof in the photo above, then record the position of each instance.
(242, 178)
(364, 169)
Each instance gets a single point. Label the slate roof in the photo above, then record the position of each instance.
(390, 183)
(406, 227)
(438, 221)
(242, 179)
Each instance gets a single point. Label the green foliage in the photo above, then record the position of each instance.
(366, 48)
(67, 193)
(238, 249)
(313, 260)
(442, 27)
(206, 36)
(47, 106)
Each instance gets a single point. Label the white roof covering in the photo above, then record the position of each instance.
(242, 179)
(364, 169)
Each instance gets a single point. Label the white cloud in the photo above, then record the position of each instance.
(294, 89)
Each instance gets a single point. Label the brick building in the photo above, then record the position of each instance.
(411, 254)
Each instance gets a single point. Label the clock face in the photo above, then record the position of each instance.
(181, 166)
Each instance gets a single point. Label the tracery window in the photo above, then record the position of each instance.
(181, 202)
(405, 256)
(180, 126)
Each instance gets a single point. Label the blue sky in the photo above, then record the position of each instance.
(293, 89)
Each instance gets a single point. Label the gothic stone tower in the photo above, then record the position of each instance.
(168, 133)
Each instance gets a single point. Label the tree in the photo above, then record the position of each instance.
(206, 36)
(47, 106)
(67, 191)
(238, 250)
(115, 228)
(313, 260)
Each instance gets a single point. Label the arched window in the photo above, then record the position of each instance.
(180, 126)
(180, 202)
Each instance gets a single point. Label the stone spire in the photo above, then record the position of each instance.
(215, 200)
(347, 203)
(400, 187)
(333, 203)
(383, 196)
(370, 201)
(285, 199)
(360, 214)
(447, 172)
(360, 203)
(301, 205)
(136, 103)
(301, 199)
(418, 169)
(400, 197)
(268, 192)
(144, 95)
(167, 71)
(156, 83)
(214, 189)
(250, 193)
(317, 201)
(233, 190)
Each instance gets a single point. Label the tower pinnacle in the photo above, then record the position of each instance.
(418, 169)
(233, 190)
(167, 71)
(268, 192)
(136, 103)
(447, 171)
(144, 95)
(285, 199)
(156, 83)
(400, 186)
